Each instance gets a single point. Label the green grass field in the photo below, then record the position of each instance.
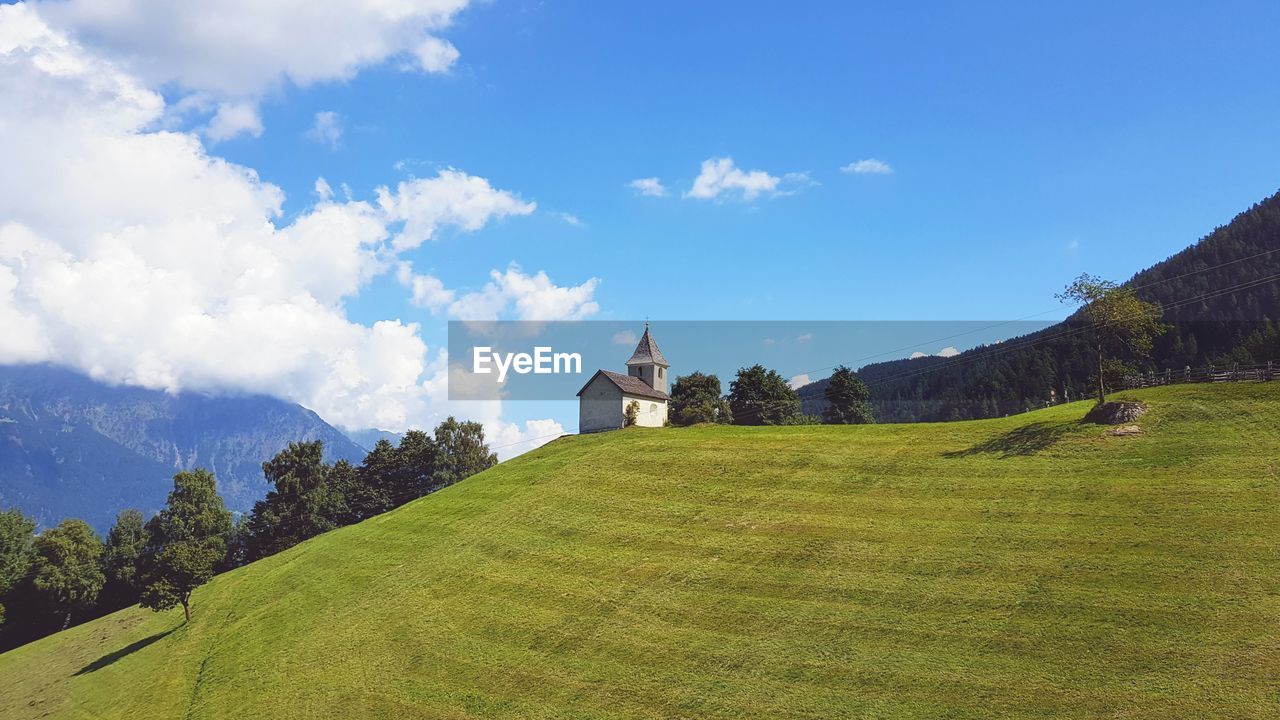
(1023, 567)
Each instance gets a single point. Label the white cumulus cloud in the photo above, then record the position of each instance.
(650, 186)
(510, 439)
(945, 352)
(510, 294)
(326, 128)
(798, 381)
(135, 256)
(231, 53)
(870, 166)
(435, 55)
(234, 118)
(721, 178)
(426, 291)
(245, 48)
(452, 197)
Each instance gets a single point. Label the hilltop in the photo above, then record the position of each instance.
(1028, 566)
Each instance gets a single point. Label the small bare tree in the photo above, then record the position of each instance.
(1118, 322)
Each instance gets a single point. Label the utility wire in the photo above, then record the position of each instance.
(1038, 314)
(1020, 345)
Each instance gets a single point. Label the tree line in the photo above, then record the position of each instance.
(1112, 334)
(68, 574)
(760, 396)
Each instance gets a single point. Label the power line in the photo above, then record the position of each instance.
(1010, 347)
(1018, 345)
(526, 440)
(1038, 314)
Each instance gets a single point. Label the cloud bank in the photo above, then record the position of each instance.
(228, 54)
(135, 256)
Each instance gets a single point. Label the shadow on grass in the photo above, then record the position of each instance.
(111, 657)
(1026, 440)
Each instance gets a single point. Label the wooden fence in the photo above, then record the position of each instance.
(1235, 373)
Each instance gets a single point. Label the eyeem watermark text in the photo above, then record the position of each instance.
(542, 362)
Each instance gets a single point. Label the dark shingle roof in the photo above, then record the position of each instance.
(629, 385)
(647, 352)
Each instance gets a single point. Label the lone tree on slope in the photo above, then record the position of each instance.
(1118, 322)
(185, 542)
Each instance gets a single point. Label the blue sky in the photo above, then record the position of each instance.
(1027, 142)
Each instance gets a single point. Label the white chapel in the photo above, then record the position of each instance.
(603, 401)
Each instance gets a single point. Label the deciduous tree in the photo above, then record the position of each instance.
(120, 553)
(420, 465)
(762, 397)
(462, 451)
(376, 481)
(185, 542)
(1118, 322)
(696, 398)
(17, 535)
(67, 567)
(302, 503)
(848, 400)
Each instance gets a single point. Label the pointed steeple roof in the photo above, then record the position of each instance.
(647, 352)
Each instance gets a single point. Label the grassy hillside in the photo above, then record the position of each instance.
(1023, 567)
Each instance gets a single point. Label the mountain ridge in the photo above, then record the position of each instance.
(74, 447)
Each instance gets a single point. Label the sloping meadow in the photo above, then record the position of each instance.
(1031, 566)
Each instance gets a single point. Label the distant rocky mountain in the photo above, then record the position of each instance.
(74, 447)
(366, 439)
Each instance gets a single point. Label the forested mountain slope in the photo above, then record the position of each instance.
(1222, 295)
